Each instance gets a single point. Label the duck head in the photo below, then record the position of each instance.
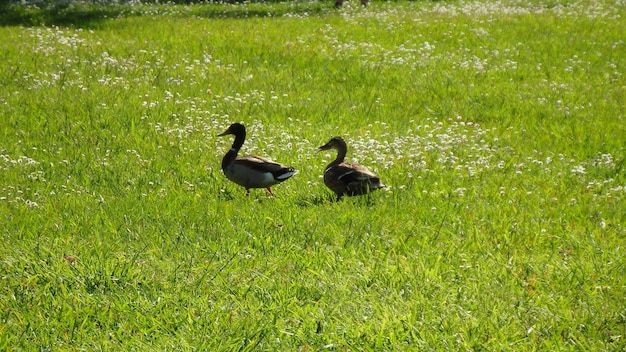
(236, 128)
(336, 143)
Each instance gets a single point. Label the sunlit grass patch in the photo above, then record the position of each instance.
(498, 127)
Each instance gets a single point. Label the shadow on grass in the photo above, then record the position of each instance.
(91, 16)
(294, 9)
(76, 16)
(317, 200)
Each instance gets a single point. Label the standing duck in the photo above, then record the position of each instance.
(251, 171)
(344, 178)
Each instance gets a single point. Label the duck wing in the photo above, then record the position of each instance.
(351, 172)
(351, 179)
(257, 172)
(263, 165)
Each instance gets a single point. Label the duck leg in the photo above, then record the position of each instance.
(247, 192)
(270, 190)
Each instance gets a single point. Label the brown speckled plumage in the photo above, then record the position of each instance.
(344, 178)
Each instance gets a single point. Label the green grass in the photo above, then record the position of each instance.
(499, 127)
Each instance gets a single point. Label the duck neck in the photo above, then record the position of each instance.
(234, 150)
(341, 155)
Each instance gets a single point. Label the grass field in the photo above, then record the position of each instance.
(499, 127)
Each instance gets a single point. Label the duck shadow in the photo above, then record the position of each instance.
(225, 195)
(317, 200)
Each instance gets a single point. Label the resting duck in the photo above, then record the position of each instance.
(251, 171)
(348, 178)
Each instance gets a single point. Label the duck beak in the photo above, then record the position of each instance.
(324, 147)
(227, 132)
